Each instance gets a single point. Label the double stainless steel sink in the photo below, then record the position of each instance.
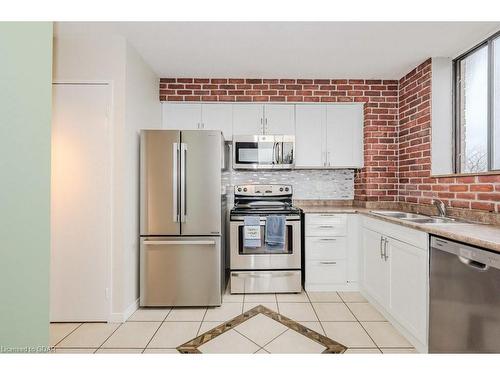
(419, 218)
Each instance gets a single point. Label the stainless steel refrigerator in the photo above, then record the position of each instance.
(181, 214)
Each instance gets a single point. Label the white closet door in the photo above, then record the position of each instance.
(181, 116)
(344, 131)
(280, 119)
(310, 140)
(218, 117)
(80, 203)
(248, 119)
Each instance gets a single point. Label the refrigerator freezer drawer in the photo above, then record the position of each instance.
(286, 281)
(180, 271)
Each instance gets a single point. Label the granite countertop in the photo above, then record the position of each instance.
(482, 235)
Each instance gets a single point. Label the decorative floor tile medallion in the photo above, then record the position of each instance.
(317, 342)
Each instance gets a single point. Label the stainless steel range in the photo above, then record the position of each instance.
(262, 268)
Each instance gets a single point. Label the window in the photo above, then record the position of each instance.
(477, 108)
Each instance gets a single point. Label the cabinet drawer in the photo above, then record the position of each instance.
(326, 248)
(336, 219)
(326, 272)
(325, 230)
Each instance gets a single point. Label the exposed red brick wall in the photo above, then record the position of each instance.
(397, 131)
(378, 179)
(416, 185)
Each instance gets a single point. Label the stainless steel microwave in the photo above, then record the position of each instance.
(263, 151)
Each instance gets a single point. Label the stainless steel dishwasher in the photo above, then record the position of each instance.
(464, 315)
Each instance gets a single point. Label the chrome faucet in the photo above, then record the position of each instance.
(440, 206)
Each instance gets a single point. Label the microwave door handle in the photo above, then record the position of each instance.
(277, 153)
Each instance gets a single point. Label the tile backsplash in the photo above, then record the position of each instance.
(307, 184)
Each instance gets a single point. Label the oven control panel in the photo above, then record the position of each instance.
(262, 190)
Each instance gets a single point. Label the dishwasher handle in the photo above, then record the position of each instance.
(481, 267)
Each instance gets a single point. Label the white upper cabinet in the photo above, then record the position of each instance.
(248, 119)
(279, 119)
(183, 116)
(326, 135)
(310, 140)
(344, 134)
(218, 117)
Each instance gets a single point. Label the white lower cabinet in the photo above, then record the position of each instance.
(395, 271)
(375, 268)
(408, 302)
(331, 261)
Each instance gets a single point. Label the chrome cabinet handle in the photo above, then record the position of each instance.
(175, 203)
(380, 247)
(386, 241)
(328, 158)
(327, 262)
(327, 239)
(325, 226)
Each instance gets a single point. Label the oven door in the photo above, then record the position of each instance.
(255, 152)
(264, 258)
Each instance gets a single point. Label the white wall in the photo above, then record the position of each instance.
(135, 105)
(142, 110)
(442, 116)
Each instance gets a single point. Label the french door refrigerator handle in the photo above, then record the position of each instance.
(183, 182)
(175, 202)
(180, 242)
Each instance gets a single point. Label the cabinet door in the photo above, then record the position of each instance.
(344, 133)
(248, 119)
(279, 119)
(408, 287)
(353, 232)
(181, 116)
(375, 268)
(218, 117)
(310, 140)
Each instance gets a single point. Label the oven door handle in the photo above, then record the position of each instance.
(261, 275)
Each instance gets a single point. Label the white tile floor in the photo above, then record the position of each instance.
(345, 317)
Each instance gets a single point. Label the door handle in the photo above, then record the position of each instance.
(183, 182)
(175, 202)
(386, 241)
(179, 242)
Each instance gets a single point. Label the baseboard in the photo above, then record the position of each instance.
(123, 316)
(351, 287)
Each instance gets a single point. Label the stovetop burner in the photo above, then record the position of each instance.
(263, 200)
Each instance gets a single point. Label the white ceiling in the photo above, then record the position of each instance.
(289, 49)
